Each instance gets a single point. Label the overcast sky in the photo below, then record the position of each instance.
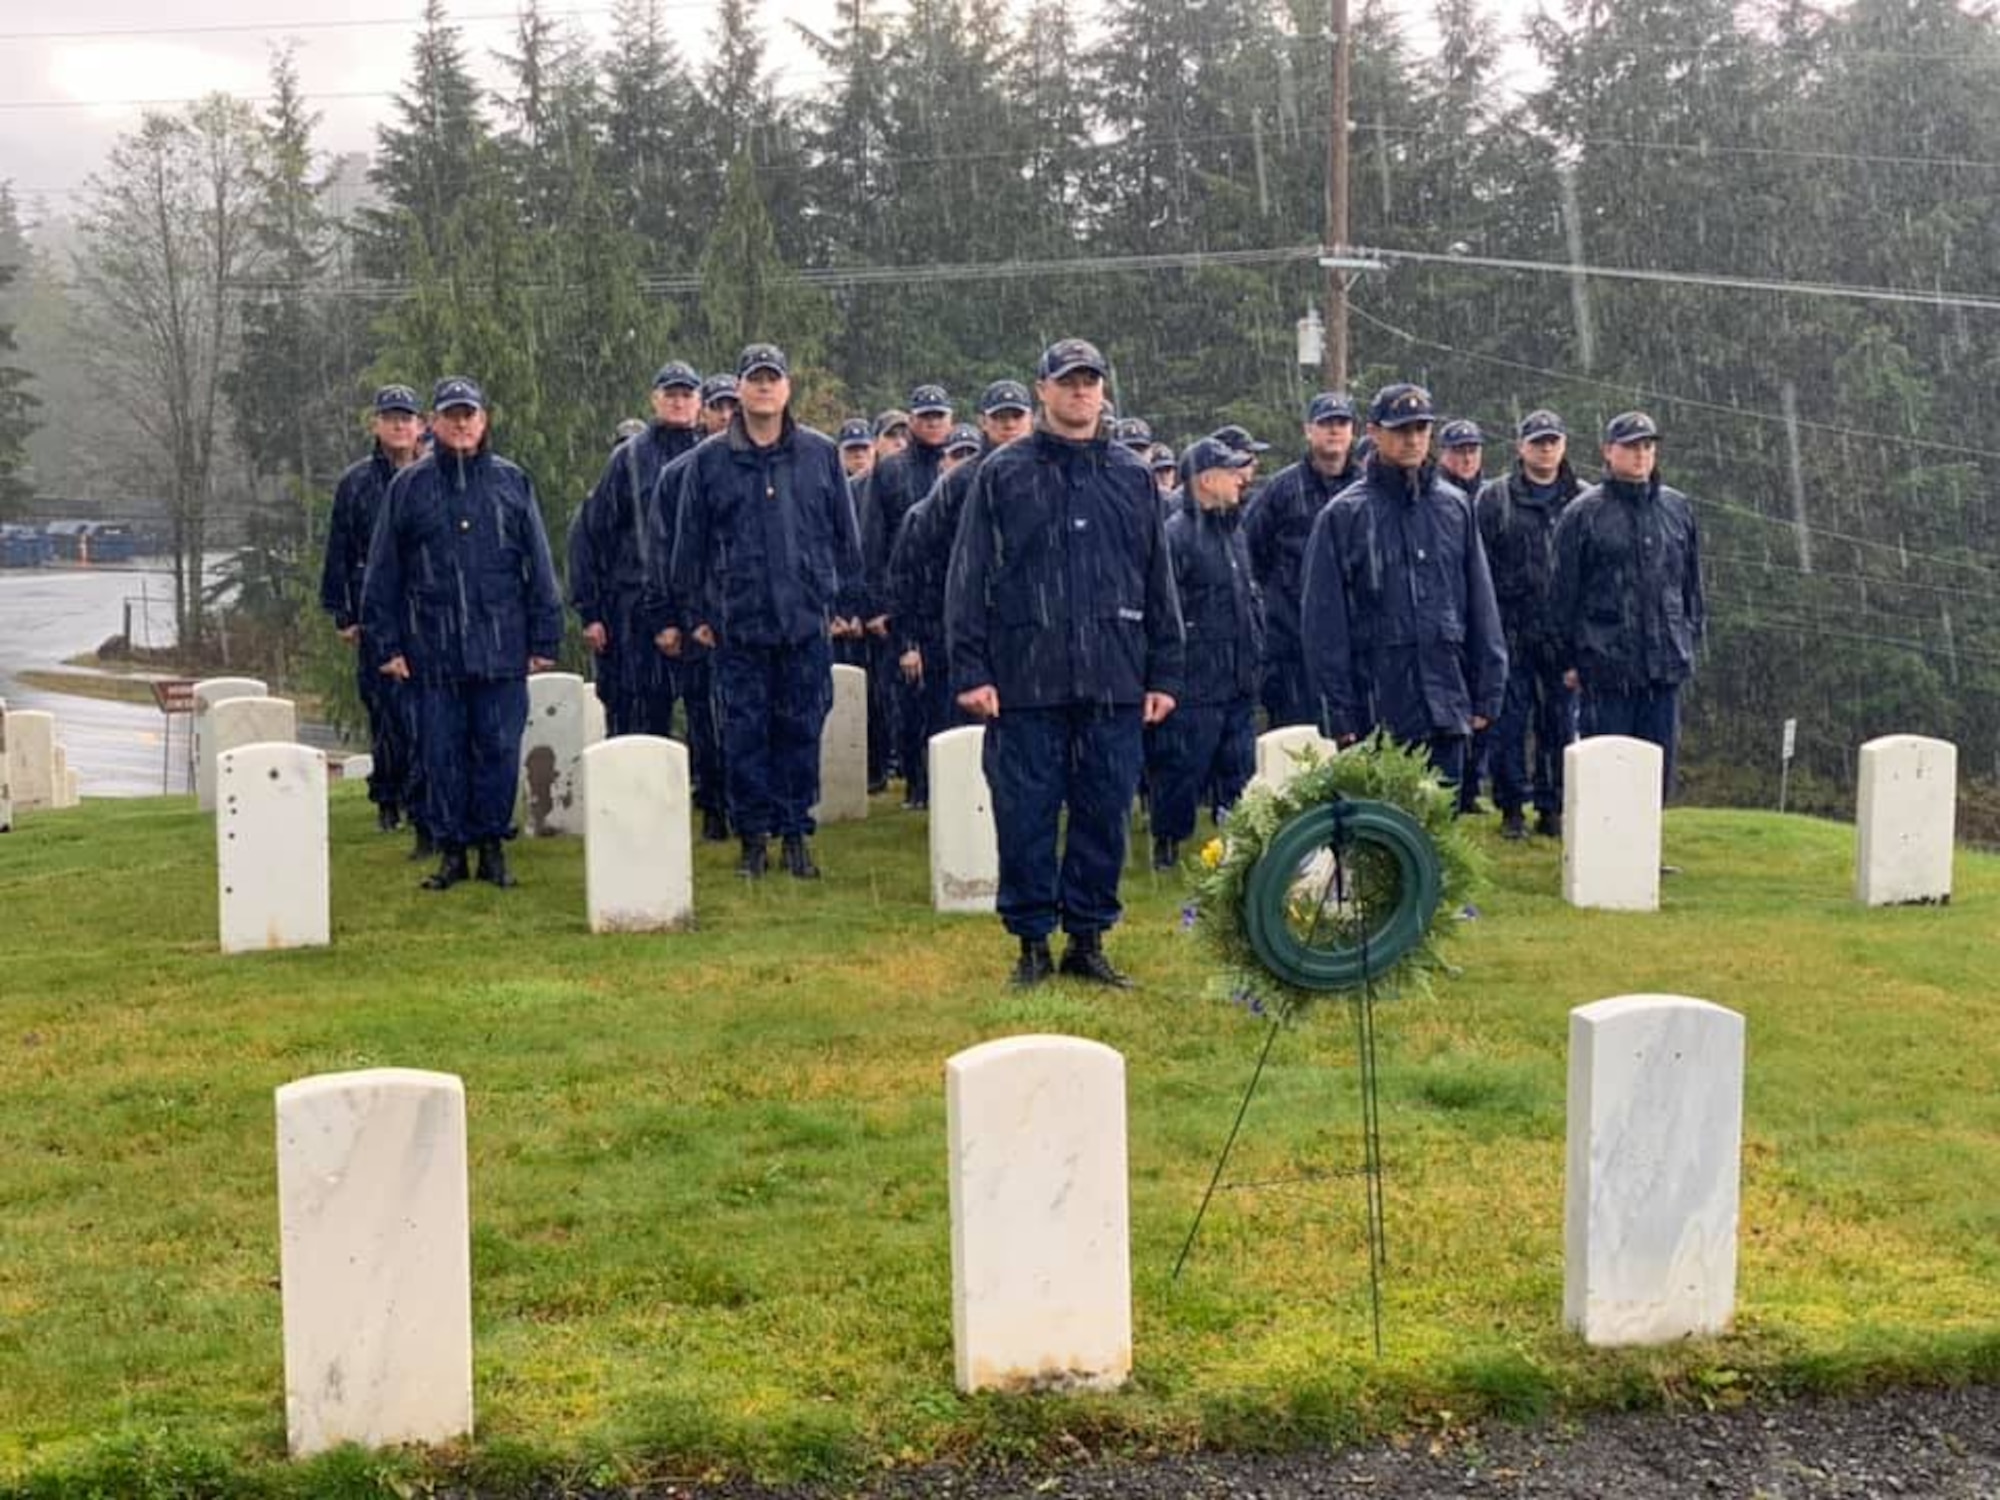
(72, 76)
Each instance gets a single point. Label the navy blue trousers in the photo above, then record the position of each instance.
(397, 780)
(774, 705)
(694, 685)
(925, 709)
(1207, 747)
(635, 684)
(1086, 757)
(1288, 697)
(470, 733)
(884, 682)
(1651, 714)
(1537, 703)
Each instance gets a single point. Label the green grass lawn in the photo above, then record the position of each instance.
(708, 1170)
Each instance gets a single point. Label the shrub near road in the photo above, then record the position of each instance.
(708, 1188)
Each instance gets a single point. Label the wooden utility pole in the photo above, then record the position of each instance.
(1335, 368)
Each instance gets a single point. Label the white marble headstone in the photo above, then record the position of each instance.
(965, 848)
(1654, 1169)
(638, 835)
(357, 768)
(843, 750)
(596, 725)
(375, 1259)
(1278, 751)
(207, 693)
(72, 788)
(59, 778)
(552, 749)
(31, 758)
(1040, 1242)
(270, 847)
(1906, 819)
(236, 722)
(1611, 823)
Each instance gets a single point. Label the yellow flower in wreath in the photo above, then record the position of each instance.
(1211, 854)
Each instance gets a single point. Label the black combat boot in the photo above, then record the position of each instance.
(1512, 825)
(1549, 825)
(388, 817)
(1034, 965)
(493, 864)
(451, 868)
(1084, 959)
(425, 846)
(714, 826)
(798, 858)
(1166, 853)
(755, 857)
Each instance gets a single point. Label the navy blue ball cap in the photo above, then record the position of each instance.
(1214, 453)
(929, 401)
(1239, 438)
(676, 376)
(1162, 457)
(718, 388)
(1133, 432)
(1066, 356)
(1541, 422)
(757, 357)
(457, 390)
(856, 432)
(888, 421)
(1631, 427)
(1331, 406)
(1460, 433)
(396, 398)
(1401, 405)
(1004, 395)
(962, 437)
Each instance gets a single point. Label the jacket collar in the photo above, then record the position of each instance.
(738, 436)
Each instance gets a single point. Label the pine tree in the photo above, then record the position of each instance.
(425, 164)
(649, 120)
(747, 292)
(17, 402)
(551, 114)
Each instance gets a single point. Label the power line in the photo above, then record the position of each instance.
(1983, 594)
(1956, 300)
(344, 24)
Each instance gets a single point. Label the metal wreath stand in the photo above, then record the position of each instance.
(1339, 830)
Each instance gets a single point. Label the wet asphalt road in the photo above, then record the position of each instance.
(50, 614)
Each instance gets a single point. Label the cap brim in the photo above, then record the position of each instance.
(677, 385)
(1075, 365)
(994, 411)
(1393, 423)
(397, 410)
(461, 403)
(930, 411)
(748, 370)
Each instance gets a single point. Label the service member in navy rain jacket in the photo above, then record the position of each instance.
(766, 555)
(1400, 627)
(1065, 638)
(1208, 741)
(1461, 452)
(921, 560)
(1517, 523)
(608, 559)
(1628, 597)
(461, 600)
(394, 785)
(1276, 523)
(896, 484)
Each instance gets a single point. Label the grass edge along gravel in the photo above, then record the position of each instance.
(138, 1355)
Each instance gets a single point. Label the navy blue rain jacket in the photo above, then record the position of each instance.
(1518, 529)
(357, 501)
(1219, 604)
(1277, 519)
(1628, 602)
(765, 545)
(1061, 591)
(920, 562)
(460, 582)
(889, 493)
(1401, 629)
(610, 542)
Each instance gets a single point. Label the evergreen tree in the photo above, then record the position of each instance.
(648, 129)
(425, 163)
(551, 114)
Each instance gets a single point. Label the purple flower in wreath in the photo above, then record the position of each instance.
(1189, 914)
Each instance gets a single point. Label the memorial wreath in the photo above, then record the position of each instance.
(1354, 871)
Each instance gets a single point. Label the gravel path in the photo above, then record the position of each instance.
(1937, 1445)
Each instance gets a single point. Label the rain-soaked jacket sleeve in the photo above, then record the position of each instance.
(545, 626)
(848, 559)
(965, 589)
(1166, 634)
(336, 586)
(1329, 646)
(383, 583)
(906, 565)
(586, 577)
(1485, 640)
(687, 592)
(1693, 603)
(656, 598)
(1566, 590)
